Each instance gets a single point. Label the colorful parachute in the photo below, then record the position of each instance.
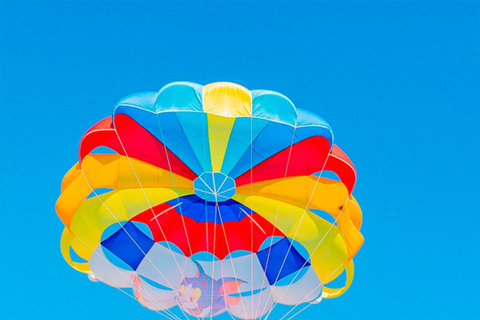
(213, 199)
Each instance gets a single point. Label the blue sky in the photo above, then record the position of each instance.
(399, 82)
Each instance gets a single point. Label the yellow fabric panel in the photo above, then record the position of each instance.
(70, 176)
(121, 172)
(309, 229)
(349, 229)
(97, 213)
(219, 129)
(114, 172)
(227, 99)
(355, 212)
(329, 255)
(71, 198)
(327, 248)
(282, 215)
(326, 195)
(329, 293)
(65, 243)
(324, 242)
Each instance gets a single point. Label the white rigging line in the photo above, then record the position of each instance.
(314, 289)
(215, 193)
(221, 185)
(166, 210)
(173, 180)
(231, 260)
(251, 211)
(253, 220)
(226, 310)
(313, 252)
(300, 223)
(217, 210)
(274, 224)
(128, 234)
(151, 208)
(166, 310)
(204, 140)
(206, 185)
(175, 188)
(213, 257)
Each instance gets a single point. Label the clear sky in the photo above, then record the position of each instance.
(399, 82)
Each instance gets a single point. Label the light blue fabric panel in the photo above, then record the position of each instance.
(195, 127)
(273, 106)
(309, 122)
(141, 100)
(179, 96)
(168, 130)
(240, 140)
(138, 106)
(273, 138)
(182, 126)
(308, 132)
(307, 118)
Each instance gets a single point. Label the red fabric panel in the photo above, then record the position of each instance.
(101, 134)
(307, 157)
(138, 143)
(339, 163)
(142, 145)
(218, 239)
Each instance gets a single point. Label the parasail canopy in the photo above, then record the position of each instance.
(212, 199)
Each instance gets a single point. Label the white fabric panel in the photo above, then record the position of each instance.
(239, 268)
(108, 273)
(166, 267)
(162, 266)
(253, 306)
(304, 289)
(152, 297)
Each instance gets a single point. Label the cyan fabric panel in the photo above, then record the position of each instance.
(179, 96)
